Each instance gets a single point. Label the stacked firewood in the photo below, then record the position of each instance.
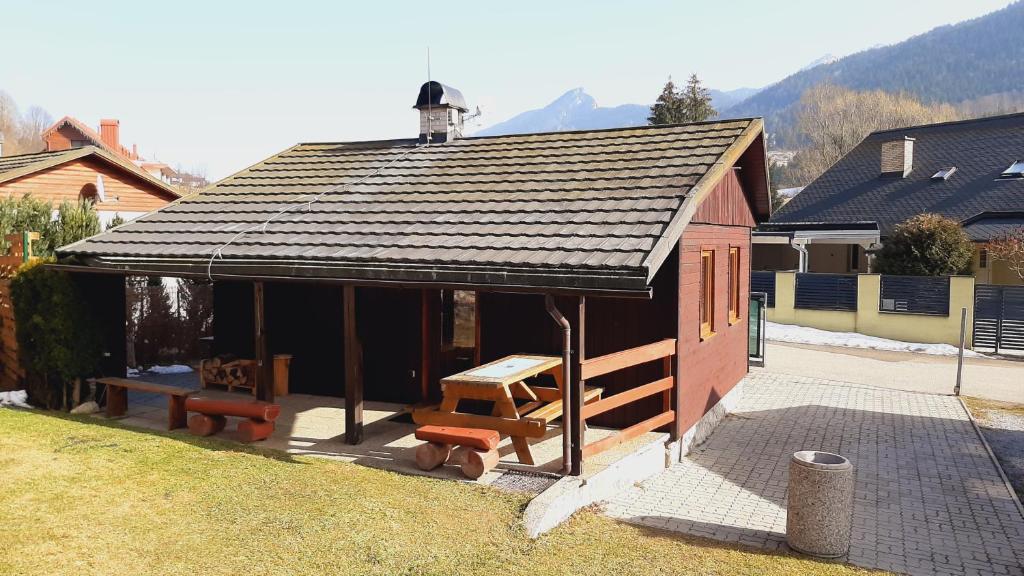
(227, 370)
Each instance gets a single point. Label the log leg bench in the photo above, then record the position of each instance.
(117, 397)
(211, 417)
(476, 450)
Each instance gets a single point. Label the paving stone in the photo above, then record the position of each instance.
(928, 499)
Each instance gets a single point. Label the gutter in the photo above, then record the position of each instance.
(556, 315)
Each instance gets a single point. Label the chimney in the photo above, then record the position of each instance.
(110, 133)
(897, 157)
(441, 108)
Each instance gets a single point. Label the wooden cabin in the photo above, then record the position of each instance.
(384, 266)
(113, 183)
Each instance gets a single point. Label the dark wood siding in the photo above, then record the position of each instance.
(518, 323)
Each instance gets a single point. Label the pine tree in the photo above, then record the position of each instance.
(667, 108)
(695, 102)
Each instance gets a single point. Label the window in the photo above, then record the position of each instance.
(734, 285)
(707, 293)
(89, 193)
(944, 173)
(854, 258)
(983, 258)
(1016, 170)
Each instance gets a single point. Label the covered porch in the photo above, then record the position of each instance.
(314, 425)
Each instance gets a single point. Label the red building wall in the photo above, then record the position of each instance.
(709, 368)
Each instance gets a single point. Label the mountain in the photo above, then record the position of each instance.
(574, 110)
(967, 62)
(577, 110)
(826, 59)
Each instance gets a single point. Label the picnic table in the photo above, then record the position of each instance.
(503, 382)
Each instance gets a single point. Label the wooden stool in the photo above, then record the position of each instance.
(476, 453)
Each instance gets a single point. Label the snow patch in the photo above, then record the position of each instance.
(172, 369)
(804, 335)
(17, 398)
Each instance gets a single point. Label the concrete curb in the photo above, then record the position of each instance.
(562, 499)
(992, 455)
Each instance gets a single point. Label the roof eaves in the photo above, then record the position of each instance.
(697, 194)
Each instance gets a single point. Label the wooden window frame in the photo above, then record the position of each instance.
(734, 284)
(983, 258)
(706, 312)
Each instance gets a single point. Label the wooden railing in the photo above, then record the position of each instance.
(594, 367)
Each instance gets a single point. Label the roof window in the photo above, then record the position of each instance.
(944, 173)
(1016, 170)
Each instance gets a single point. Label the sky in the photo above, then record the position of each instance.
(217, 85)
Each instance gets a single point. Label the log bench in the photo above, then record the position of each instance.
(476, 452)
(212, 413)
(117, 397)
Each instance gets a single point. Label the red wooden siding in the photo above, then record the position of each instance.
(727, 204)
(709, 368)
(125, 192)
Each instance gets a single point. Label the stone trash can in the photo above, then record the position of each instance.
(819, 510)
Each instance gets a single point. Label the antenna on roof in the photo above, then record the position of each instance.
(428, 96)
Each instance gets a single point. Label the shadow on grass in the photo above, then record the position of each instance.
(206, 443)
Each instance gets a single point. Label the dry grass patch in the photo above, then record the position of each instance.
(82, 496)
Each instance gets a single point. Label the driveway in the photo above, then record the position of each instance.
(989, 378)
(928, 497)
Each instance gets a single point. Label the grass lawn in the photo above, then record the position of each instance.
(81, 496)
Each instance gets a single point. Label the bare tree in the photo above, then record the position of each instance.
(834, 120)
(1009, 248)
(22, 133)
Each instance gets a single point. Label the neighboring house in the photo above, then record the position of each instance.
(115, 185)
(352, 255)
(969, 171)
(69, 133)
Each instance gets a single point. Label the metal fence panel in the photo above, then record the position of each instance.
(999, 317)
(826, 291)
(764, 281)
(915, 295)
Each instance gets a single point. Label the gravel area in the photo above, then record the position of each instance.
(1004, 430)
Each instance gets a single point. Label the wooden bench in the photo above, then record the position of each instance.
(258, 423)
(117, 398)
(477, 452)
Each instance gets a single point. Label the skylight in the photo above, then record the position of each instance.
(944, 173)
(1016, 170)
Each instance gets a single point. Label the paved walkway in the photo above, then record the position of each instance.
(991, 378)
(928, 498)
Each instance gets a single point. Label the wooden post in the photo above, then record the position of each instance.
(575, 408)
(430, 345)
(353, 370)
(677, 360)
(264, 374)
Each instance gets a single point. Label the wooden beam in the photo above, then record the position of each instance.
(629, 433)
(622, 398)
(264, 370)
(575, 412)
(634, 356)
(677, 361)
(430, 345)
(353, 370)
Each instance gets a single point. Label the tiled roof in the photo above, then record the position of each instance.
(594, 209)
(853, 190)
(991, 225)
(14, 167)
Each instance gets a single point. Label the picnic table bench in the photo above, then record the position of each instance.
(503, 382)
(117, 398)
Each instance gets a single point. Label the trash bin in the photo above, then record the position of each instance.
(281, 364)
(819, 511)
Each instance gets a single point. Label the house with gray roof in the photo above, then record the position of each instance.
(970, 171)
(383, 266)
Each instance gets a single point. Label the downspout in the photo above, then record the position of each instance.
(549, 303)
(801, 247)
